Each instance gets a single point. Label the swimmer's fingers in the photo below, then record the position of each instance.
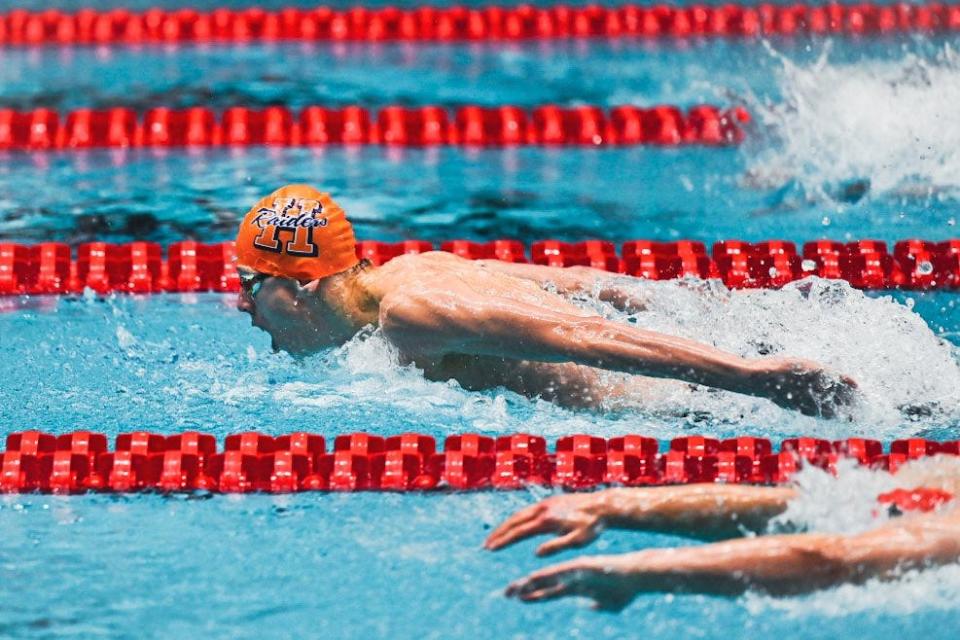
(579, 537)
(523, 531)
(550, 582)
(520, 525)
(557, 590)
(608, 588)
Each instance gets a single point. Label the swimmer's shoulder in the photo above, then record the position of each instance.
(417, 267)
(426, 260)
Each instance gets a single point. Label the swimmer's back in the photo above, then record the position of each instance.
(438, 275)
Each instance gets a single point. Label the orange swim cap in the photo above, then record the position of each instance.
(296, 232)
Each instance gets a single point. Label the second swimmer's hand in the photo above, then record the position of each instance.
(578, 518)
(805, 386)
(607, 580)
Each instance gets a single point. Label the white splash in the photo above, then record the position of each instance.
(891, 123)
(366, 371)
(931, 589)
(815, 509)
(903, 370)
(854, 487)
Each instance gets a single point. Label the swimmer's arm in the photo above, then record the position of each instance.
(608, 287)
(777, 564)
(695, 508)
(458, 319)
(467, 322)
(708, 511)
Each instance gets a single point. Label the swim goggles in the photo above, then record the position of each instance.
(250, 283)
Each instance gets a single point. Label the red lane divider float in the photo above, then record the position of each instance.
(139, 267)
(44, 129)
(121, 26)
(81, 461)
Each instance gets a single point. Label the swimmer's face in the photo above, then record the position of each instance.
(297, 320)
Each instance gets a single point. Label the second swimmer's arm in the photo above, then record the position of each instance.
(697, 507)
(778, 564)
(702, 510)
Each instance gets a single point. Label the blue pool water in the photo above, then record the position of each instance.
(830, 118)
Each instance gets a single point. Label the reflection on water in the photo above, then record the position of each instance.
(604, 72)
(390, 194)
(438, 194)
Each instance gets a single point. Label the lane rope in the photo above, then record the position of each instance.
(457, 23)
(142, 461)
(53, 268)
(45, 129)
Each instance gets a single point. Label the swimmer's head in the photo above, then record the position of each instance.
(296, 232)
(294, 250)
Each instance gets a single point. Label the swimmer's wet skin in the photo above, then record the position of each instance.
(484, 323)
(778, 564)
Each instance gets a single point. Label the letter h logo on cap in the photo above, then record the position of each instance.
(298, 216)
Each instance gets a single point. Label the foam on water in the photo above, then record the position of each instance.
(903, 370)
(845, 504)
(820, 492)
(914, 591)
(888, 125)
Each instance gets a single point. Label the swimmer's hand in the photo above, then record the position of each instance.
(804, 385)
(578, 517)
(609, 581)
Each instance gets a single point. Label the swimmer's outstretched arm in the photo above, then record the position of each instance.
(708, 511)
(777, 564)
(608, 287)
(462, 320)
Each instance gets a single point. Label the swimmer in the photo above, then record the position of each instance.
(484, 323)
(777, 564)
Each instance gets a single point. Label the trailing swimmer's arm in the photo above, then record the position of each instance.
(776, 564)
(461, 320)
(606, 286)
(703, 510)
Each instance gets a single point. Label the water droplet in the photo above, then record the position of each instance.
(808, 265)
(924, 268)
